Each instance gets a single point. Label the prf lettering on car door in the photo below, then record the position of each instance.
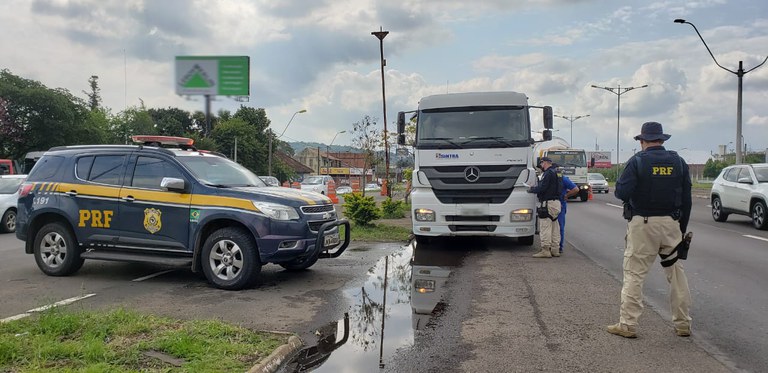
(96, 218)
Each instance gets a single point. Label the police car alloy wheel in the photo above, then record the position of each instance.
(8, 222)
(56, 253)
(231, 259)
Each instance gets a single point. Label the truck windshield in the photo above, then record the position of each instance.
(573, 158)
(220, 172)
(473, 127)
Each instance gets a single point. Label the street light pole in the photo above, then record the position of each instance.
(381, 34)
(739, 73)
(572, 119)
(618, 91)
(328, 149)
(281, 135)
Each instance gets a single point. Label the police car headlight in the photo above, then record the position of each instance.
(277, 211)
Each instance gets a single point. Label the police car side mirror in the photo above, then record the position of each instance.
(172, 184)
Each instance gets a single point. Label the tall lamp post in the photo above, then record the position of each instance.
(381, 34)
(739, 73)
(572, 119)
(328, 148)
(618, 91)
(281, 135)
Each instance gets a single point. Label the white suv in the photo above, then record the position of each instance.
(742, 189)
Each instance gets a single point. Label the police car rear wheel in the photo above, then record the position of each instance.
(759, 218)
(717, 210)
(230, 259)
(56, 252)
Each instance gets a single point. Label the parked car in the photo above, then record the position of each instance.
(344, 189)
(270, 180)
(372, 187)
(317, 184)
(741, 189)
(9, 196)
(597, 182)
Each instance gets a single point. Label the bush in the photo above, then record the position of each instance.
(392, 209)
(362, 210)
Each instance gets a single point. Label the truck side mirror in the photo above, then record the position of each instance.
(547, 134)
(592, 162)
(548, 119)
(400, 128)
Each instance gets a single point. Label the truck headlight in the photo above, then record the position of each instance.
(424, 215)
(277, 211)
(424, 286)
(521, 215)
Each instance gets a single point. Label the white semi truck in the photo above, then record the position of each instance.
(572, 162)
(474, 160)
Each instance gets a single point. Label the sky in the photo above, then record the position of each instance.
(320, 56)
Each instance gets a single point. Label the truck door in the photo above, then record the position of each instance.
(151, 217)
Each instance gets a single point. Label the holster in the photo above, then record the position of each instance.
(679, 252)
(626, 213)
(542, 211)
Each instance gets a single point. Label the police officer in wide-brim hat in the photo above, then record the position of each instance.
(656, 186)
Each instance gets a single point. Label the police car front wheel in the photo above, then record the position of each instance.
(231, 259)
(56, 251)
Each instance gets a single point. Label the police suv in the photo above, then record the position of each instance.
(174, 206)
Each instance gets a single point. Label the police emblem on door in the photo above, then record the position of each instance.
(152, 222)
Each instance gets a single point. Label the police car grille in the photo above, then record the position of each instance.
(314, 226)
(316, 209)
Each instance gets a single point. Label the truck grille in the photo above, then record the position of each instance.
(494, 184)
(472, 218)
(472, 228)
(316, 209)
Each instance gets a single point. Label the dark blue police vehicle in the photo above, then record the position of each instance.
(174, 206)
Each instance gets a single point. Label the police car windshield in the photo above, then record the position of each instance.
(220, 172)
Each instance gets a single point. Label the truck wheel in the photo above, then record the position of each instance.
(717, 210)
(759, 218)
(525, 240)
(8, 223)
(301, 264)
(56, 251)
(231, 259)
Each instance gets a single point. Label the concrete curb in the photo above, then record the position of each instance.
(270, 363)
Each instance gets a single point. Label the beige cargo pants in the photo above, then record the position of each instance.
(644, 242)
(549, 231)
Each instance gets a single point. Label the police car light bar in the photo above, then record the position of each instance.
(164, 140)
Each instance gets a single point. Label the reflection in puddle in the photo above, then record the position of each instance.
(363, 340)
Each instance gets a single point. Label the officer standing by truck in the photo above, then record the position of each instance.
(656, 190)
(548, 192)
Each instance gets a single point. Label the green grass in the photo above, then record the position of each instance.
(116, 341)
(380, 232)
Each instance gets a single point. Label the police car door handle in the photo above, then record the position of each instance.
(71, 193)
(127, 198)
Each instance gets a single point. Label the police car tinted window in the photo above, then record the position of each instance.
(107, 169)
(46, 168)
(83, 167)
(149, 172)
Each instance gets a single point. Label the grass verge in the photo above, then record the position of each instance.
(380, 232)
(126, 341)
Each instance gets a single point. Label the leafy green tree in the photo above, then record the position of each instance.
(94, 96)
(367, 137)
(249, 152)
(172, 121)
(133, 121)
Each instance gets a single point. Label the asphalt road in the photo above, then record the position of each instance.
(726, 270)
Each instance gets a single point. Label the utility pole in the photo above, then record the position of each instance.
(381, 34)
(572, 119)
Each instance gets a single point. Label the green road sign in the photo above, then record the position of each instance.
(213, 75)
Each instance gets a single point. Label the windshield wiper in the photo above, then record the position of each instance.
(218, 185)
(499, 139)
(446, 139)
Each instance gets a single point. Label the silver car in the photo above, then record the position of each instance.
(598, 183)
(9, 196)
(741, 189)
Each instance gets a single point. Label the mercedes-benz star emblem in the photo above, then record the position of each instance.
(471, 174)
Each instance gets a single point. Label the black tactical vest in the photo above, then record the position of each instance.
(659, 187)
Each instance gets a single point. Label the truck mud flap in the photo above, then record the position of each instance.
(324, 253)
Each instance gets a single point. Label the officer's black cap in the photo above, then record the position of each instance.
(545, 159)
(652, 131)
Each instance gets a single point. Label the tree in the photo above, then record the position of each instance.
(250, 153)
(94, 96)
(172, 121)
(133, 121)
(366, 136)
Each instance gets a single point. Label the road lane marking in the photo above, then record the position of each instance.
(756, 237)
(46, 307)
(612, 205)
(147, 277)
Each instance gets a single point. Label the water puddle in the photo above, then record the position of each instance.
(403, 293)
